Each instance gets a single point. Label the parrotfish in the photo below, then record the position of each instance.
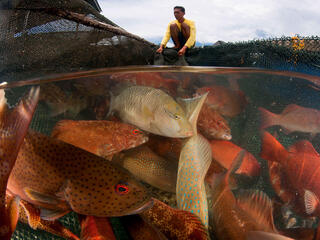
(175, 224)
(150, 79)
(151, 110)
(144, 164)
(300, 166)
(293, 118)
(95, 228)
(59, 177)
(103, 138)
(226, 101)
(30, 215)
(212, 125)
(194, 161)
(14, 125)
(234, 218)
(225, 151)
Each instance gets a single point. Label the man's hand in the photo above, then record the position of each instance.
(182, 50)
(160, 49)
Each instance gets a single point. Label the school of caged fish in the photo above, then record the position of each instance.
(150, 130)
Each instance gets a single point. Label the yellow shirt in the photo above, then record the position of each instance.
(191, 40)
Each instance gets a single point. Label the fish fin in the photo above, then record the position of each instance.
(290, 108)
(236, 163)
(260, 235)
(192, 107)
(111, 105)
(92, 227)
(311, 201)
(39, 197)
(268, 119)
(52, 214)
(13, 212)
(258, 205)
(32, 213)
(60, 127)
(271, 149)
(303, 146)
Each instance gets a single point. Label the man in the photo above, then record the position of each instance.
(182, 31)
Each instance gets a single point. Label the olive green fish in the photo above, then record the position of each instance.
(151, 110)
(59, 177)
(194, 161)
(143, 163)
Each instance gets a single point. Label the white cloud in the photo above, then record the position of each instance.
(227, 20)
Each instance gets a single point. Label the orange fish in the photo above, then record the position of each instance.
(59, 177)
(212, 125)
(234, 218)
(14, 125)
(224, 152)
(150, 79)
(95, 228)
(174, 223)
(103, 138)
(293, 118)
(300, 166)
(226, 101)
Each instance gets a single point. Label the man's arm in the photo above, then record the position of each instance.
(165, 40)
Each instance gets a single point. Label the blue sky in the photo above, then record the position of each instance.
(226, 20)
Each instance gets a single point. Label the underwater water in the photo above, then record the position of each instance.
(181, 131)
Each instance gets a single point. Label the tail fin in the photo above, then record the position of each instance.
(13, 127)
(271, 149)
(268, 119)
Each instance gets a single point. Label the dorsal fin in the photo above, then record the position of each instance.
(258, 206)
(290, 108)
(303, 146)
(192, 107)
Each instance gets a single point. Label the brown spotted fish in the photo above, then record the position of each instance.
(173, 223)
(151, 110)
(194, 161)
(234, 218)
(144, 164)
(103, 138)
(59, 177)
(14, 125)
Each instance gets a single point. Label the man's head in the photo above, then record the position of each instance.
(178, 12)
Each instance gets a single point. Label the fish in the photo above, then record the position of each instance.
(227, 102)
(150, 79)
(293, 118)
(194, 161)
(224, 152)
(95, 228)
(255, 235)
(30, 215)
(58, 178)
(234, 217)
(300, 166)
(140, 229)
(100, 137)
(174, 223)
(212, 125)
(165, 147)
(14, 124)
(151, 110)
(144, 164)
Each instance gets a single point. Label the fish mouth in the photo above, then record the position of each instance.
(144, 207)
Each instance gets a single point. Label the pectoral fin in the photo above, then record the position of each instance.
(52, 214)
(13, 212)
(40, 197)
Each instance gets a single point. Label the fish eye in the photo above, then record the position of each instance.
(176, 116)
(122, 188)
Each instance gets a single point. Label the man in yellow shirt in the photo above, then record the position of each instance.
(182, 31)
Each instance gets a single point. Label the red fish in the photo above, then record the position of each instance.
(293, 118)
(174, 223)
(226, 101)
(103, 138)
(300, 166)
(96, 228)
(13, 127)
(212, 125)
(149, 79)
(224, 152)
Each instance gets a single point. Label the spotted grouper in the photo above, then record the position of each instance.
(151, 110)
(59, 177)
(194, 161)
